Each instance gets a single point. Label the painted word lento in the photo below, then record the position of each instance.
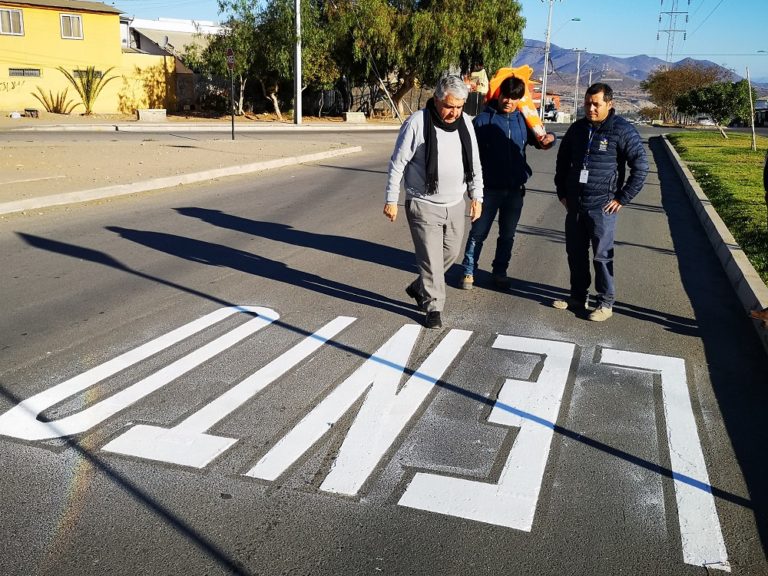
(385, 408)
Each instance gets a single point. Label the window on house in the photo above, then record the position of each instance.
(11, 22)
(24, 72)
(77, 73)
(71, 26)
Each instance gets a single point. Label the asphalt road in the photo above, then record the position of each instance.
(320, 430)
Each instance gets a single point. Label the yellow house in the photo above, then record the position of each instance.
(37, 37)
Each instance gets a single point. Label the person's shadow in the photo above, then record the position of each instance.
(352, 248)
(224, 256)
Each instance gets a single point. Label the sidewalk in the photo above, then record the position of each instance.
(36, 174)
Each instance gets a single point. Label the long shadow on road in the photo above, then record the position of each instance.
(250, 263)
(736, 361)
(348, 247)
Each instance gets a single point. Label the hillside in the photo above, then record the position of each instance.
(623, 74)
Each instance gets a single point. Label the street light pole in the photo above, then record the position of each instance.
(297, 68)
(576, 90)
(546, 61)
(751, 112)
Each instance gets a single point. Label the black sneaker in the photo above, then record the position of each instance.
(411, 291)
(433, 320)
(501, 281)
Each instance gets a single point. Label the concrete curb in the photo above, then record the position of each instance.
(166, 182)
(749, 287)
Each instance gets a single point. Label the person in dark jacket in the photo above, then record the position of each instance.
(591, 182)
(762, 315)
(502, 136)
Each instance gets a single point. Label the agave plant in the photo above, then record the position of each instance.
(57, 104)
(89, 83)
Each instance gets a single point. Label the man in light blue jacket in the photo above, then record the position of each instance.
(436, 157)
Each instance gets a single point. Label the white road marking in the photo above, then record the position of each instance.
(700, 531)
(187, 444)
(382, 417)
(21, 420)
(531, 406)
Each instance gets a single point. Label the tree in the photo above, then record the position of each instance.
(263, 38)
(89, 83)
(240, 34)
(650, 113)
(721, 101)
(666, 85)
(277, 42)
(415, 41)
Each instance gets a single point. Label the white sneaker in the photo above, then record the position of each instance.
(601, 313)
(570, 304)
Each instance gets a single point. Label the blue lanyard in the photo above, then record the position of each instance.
(592, 131)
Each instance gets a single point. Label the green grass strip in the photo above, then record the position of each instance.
(731, 175)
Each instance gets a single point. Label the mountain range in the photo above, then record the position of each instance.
(629, 71)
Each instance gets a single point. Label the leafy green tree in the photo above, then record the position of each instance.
(415, 41)
(721, 101)
(240, 35)
(89, 83)
(263, 38)
(666, 85)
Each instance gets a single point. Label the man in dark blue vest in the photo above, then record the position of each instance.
(591, 182)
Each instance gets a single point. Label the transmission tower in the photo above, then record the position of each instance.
(672, 17)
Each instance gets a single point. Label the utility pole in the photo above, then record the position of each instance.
(751, 112)
(546, 61)
(576, 89)
(672, 30)
(297, 68)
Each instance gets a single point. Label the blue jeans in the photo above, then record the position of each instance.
(596, 228)
(509, 205)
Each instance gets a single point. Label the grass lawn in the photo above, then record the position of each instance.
(731, 175)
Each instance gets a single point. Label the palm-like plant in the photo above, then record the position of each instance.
(55, 103)
(89, 83)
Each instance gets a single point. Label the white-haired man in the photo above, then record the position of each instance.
(437, 159)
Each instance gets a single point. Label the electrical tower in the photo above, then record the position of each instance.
(672, 17)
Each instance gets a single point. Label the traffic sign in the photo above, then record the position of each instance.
(230, 58)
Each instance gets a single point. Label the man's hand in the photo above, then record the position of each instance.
(390, 211)
(475, 209)
(612, 207)
(564, 202)
(548, 140)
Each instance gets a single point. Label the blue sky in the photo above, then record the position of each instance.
(727, 32)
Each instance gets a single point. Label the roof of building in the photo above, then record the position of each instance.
(74, 5)
(177, 25)
(173, 42)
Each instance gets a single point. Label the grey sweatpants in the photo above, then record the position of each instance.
(438, 240)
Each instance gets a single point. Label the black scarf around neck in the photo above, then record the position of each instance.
(432, 121)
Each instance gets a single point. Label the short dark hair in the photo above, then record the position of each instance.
(512, 87)
(598, 87)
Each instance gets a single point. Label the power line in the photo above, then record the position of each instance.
(708, 15)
